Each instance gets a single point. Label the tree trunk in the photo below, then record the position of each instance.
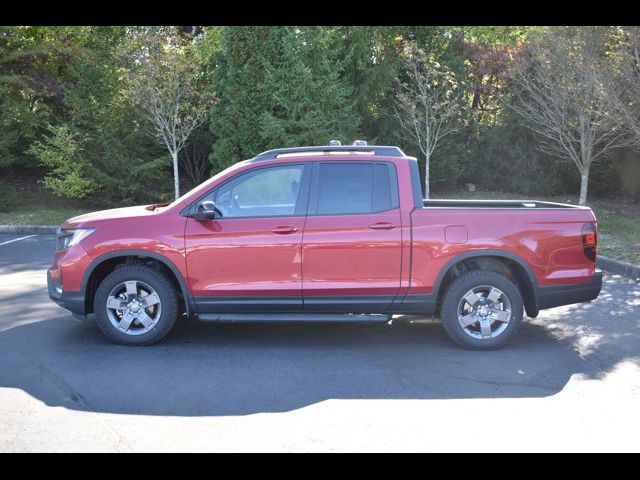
(426, 176)
(584, 185)
(176, 178)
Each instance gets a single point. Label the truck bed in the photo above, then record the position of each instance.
(545, 235)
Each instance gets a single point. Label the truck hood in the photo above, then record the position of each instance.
(89, 219)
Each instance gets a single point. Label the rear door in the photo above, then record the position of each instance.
(351, 250)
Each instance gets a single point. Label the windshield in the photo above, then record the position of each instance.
(205, 185)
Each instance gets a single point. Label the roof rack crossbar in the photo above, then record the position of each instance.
(376, 149)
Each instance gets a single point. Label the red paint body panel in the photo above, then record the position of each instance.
(135, 228)
(243, 256)
(342, 255)
(330, 255)
(68, 267)
(553, 249)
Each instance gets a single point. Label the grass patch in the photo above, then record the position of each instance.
(619, 236)
(41, 208)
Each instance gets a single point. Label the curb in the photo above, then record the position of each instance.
(29, 229)
(621, 268)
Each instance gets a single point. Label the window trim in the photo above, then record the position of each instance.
(312, 209)
(300, 209)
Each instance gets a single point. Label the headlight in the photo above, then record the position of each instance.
(71, 237)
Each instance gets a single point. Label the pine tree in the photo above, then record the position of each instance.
(278, 87)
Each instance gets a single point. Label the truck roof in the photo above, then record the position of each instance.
(321, 150)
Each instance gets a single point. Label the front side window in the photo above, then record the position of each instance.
(263, 192)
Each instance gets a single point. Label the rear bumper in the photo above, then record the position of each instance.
(549, 297)
(72, 301)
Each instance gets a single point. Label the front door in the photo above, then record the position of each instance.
(351, 252)
(249, 260)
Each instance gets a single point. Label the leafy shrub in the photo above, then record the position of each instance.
(62, 152)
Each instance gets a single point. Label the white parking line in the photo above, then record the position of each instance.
(17, 239)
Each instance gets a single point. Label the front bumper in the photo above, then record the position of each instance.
(72, 301)
(549, 297)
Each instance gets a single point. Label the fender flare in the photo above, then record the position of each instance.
(188, 299)
(532, 308)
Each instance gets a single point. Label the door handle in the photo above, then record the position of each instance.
(382, 226)
(284, 230)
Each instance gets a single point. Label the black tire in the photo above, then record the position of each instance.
(454, 295)
(154, 279)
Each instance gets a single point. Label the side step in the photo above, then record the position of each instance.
(291, 317)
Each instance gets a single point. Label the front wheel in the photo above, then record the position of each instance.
(482, 310)
(136, 305)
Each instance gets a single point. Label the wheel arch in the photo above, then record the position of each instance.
(112, 259)
(521, 270)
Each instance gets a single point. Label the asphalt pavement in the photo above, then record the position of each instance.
(569, 382)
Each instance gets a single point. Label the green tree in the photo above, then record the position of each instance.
(96, 139)
(61, 152)
(31, 59)
(127, 165)
(373, 60)
(278, 87)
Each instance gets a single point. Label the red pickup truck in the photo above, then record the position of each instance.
(331, 233)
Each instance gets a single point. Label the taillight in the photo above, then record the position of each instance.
(590, 240)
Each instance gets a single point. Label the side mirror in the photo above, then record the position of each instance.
(206, 210)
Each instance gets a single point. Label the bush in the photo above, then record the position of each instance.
(8, 197)
(62, 153)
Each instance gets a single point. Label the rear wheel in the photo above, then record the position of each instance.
(482, 310)
(136, 305)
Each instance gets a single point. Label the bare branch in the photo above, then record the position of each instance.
(624, 91)
(162, 84)
(427, 104)
(563, 99)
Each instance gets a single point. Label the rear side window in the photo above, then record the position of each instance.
(351, 188)
(381, 188)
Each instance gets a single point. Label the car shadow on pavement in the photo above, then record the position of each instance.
(237, 369)
(205, 369)
(604, 332)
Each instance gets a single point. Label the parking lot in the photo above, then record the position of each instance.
(570, 381)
